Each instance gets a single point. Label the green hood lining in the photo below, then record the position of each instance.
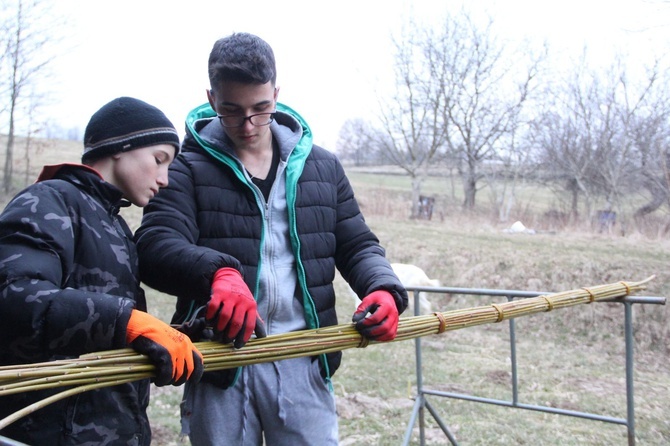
(294, 169)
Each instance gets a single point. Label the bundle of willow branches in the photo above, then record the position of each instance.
(114, 367)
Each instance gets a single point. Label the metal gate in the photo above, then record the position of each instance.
(422, 404)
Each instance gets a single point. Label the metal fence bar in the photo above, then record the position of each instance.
(421, 402)
(538, 408)
(512, 355)
(630, 402)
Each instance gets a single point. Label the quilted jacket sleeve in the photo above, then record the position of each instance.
(40, 317)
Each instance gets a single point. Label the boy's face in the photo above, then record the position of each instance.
(237, 99)
(140, 173)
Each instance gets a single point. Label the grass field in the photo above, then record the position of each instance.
(571, 359)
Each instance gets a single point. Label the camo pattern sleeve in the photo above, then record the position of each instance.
(67, 281)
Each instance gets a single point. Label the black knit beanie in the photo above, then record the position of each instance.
(126, 124)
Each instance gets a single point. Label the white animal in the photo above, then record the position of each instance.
(412, 275)
(519, 228)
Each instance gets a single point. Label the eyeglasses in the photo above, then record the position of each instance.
(259, 119)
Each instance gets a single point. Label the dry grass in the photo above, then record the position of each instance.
(571, 358)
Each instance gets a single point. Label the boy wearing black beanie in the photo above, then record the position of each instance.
(70, 285)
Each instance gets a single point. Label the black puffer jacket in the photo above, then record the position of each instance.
(68, 283)
(208, 217)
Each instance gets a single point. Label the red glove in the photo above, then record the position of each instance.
(176, 359)
(231, 309)
(382, 322)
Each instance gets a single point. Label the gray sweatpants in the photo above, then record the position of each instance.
(286, 402)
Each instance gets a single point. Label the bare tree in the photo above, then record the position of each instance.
(358, 143)
(410, 118)
(484, 87)
(24, 63)
(651, 134)
(592, 134)
(513, 167)
(459, 94)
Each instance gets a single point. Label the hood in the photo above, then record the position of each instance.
(202, 115)
(49, 171)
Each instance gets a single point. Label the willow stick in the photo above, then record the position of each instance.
(109, 368)
(56, 397)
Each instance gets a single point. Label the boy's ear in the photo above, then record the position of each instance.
(210, 98)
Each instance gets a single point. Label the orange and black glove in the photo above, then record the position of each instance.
(376, 317)
(232, 310)
(171, 352)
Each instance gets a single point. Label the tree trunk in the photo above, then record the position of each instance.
(416, 194)
(659, 196)
(469, 190)
(9, 155)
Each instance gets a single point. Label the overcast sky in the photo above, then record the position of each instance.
(331, 56)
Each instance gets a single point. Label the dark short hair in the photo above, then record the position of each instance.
(241, 57)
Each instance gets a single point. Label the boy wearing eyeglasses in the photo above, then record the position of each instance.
(252, 226)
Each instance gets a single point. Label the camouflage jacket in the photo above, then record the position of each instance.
(68, 283)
